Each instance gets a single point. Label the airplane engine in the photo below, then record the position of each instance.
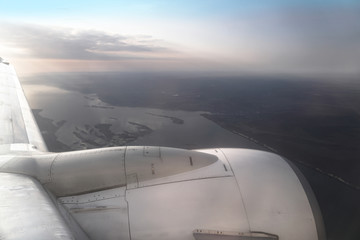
(166, 193)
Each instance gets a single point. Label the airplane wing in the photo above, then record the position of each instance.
(26, 211)
(141, 192)
(17, 125)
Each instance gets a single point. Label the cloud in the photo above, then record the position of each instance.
(61, 43)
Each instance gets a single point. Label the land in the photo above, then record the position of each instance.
(88, 137)
(316, 122)
(175, 120)
(48, 128)
(101, 135)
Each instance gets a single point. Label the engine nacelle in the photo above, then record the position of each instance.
(166, 193)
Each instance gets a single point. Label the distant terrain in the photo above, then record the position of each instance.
(314, 123)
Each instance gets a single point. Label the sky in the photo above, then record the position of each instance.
(230, 36)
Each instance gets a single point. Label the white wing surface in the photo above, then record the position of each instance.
(26, 211)
(18, 130)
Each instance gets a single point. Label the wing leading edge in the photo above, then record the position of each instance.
(18, 129)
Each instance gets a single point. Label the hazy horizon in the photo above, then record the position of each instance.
(236, 37)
